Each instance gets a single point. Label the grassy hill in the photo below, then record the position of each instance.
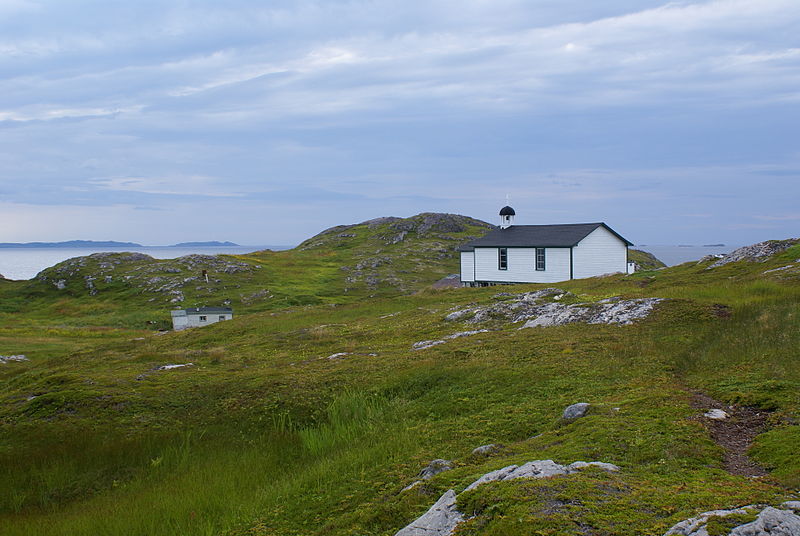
(108, 295)
(302, 420)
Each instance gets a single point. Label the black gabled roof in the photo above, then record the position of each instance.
(212, 310)
(543, 236)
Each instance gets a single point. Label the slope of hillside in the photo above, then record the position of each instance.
(313, 420)
(384, 256)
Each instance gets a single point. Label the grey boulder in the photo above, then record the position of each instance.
(434, 468)
(485, 450)
(575, 411)
(769, 522)
(440, 520)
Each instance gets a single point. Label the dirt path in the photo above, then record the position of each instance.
(735, 434)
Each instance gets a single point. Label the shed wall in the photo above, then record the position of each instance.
(467, 266)
(601, 252)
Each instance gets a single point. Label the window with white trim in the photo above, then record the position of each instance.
(502, 258)
(203, 318)
(540, 259)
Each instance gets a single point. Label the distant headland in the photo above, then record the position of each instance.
(109, 244)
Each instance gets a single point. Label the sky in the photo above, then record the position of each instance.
(267, 122)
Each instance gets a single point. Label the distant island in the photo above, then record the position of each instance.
(713, 245)
(211, 244)
(109, 244)
(72, 244)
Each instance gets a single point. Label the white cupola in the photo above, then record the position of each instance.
(507, 217)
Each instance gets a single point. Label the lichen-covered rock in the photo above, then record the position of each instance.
(434, 468)
(575, 411)
(422, 345)
(440, 520)
(756, 252)
(11, 358)
(538, 469)
(545, 308)
(768, 521)
(604, 312)
(443, 517)
(485, 450)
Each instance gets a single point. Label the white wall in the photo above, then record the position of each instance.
(522, 266)
(211, 318)
(193, 320)
(180, 322)
(601, 252)
(467, 266)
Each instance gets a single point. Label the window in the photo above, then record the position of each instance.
(540, 259)
(502, 258)
(222, 317)
(203, 318)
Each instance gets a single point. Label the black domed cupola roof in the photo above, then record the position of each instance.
(507, 211)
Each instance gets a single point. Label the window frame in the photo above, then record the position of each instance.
(541, 259)
(203, 318)
(502, 258)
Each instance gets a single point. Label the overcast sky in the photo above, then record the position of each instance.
(266, 122)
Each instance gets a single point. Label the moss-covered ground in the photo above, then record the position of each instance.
(265, 434)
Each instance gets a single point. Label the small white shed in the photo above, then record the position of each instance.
(199, 316)
(542, 253)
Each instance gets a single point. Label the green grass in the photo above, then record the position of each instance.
(265, 435)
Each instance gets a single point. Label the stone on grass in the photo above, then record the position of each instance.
(716, 414)
(434, 468)
(575, 411)
(769, 522)
(440, 520)
(9, 358)
(538, 469)
(485, 450)
(170, 367)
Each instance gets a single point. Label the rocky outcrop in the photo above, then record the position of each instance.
(485, 450)
(434, 468)
(538, 469)
(545, 308)
(575, 411)
(167, 277)
(12, 358)
(766, 521)
(756, 252)
(440, 520)
(443, 517)
(450, 281)
(422, 345)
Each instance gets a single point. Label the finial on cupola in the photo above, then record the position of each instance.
(507, 217)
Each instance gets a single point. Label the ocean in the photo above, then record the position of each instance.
(25, 263)
(673, 255)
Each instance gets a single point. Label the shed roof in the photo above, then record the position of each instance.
(202, 310)
(552, 236)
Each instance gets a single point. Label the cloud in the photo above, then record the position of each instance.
(634, 108)
(175, 185)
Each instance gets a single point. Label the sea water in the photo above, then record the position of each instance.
(674, 255)
(25, 263)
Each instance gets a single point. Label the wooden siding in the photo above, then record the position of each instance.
(467, 266)
(601, 252)
(521, 266)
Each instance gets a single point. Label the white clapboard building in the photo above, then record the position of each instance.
(543, 253)
(199, 316)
